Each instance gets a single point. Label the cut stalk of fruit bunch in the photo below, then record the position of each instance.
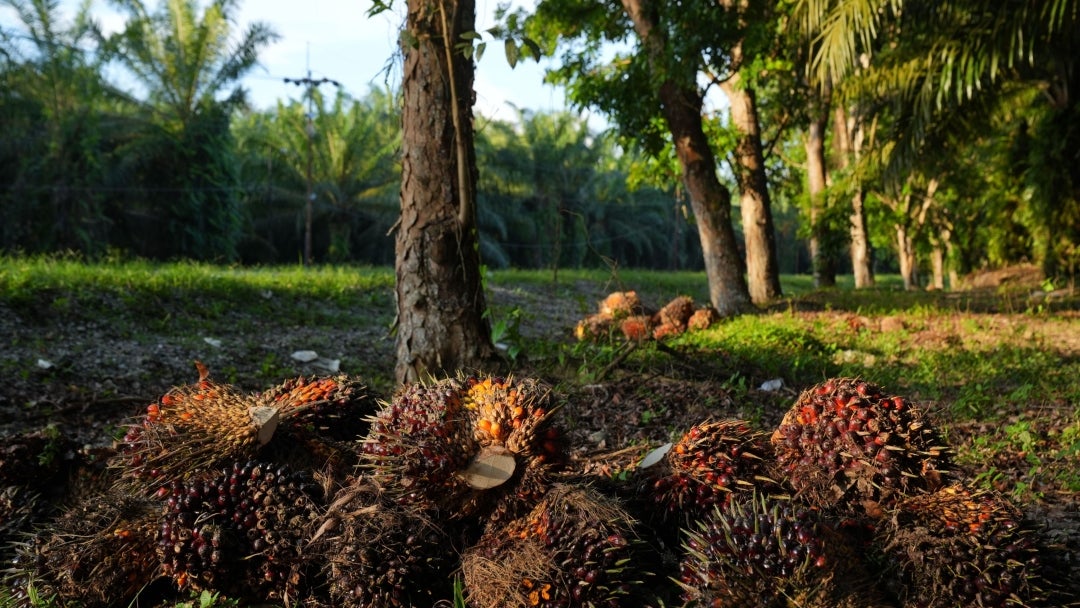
(847, 443)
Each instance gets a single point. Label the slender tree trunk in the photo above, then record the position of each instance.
(710, 200)
(848, 145)
(820, 256)
(762, 267)
(905, 251)
(441, 328)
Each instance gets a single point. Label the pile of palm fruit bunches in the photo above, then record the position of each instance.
(460, 489)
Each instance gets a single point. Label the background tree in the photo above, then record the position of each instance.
(54, 108)
(651, 94)
(181, 154)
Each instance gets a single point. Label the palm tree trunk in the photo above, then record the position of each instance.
(824, 268)
(441, 328)
(848, 146)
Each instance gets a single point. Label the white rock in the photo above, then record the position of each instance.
(305, 356)
(772, 385)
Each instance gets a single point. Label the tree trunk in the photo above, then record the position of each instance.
(820, 256)
(848, 145)
(762, 267)
(440, 300)
(710, 200)
(905, 251)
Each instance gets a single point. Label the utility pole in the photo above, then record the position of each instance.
(310, 83)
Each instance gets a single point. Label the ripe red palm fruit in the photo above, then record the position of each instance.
(848, 443)
(706, 467)
(239, 532)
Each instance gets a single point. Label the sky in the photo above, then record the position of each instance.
(336, 39)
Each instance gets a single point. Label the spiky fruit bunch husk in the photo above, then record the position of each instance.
(99, 552)
(769, 552)
(960, 547)
(379, 553)
(621, 304)
(671, 320)
(573, 549)
(335, 408)
(419, 442)
(515, 413)
(594, 328)
(636, 328)
(192, 429)
(703, 318)
(706, 467)
(239, 532)
(846, 442)
(197, 428)
(425, 442)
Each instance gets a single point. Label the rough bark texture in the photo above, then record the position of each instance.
(710, 200)
(823, 267)
(762, 267)
(440, 300)
(848, 142)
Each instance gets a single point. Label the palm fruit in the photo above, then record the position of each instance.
(636, 328)
(847, 443)
(377, 553)
(573, 549)
(239, 532)
(960, 547)
(621, 304)
(192, 429)
(420, 442)
(594, 328)
(671, 320)
(331, 407)
(766, 552)
(463, 445)
(705, 467)
(99, 552)
(199, 427)
(703, 318)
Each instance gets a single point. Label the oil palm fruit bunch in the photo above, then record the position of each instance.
(767, 552)
(334, 407)
(711, 462)
(462, 445)
(671, 320)
(239, 532)
(377, 553)
(99, 552)
(199, 427)
(573, 549)
(845, 442)
(960, 547)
